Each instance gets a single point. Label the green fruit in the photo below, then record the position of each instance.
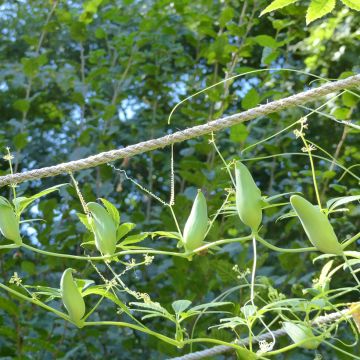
(316, 225)
(248, 197)
(71, 297)
(104, 229)
(9, 223)
(196, 224)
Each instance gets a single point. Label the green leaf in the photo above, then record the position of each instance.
(302, 334)
(245, 354)
(239, 133)
(210, 305)
(85, 221)
(88, 244)
(166, 234)
(123, 229)
(153, 306)
(277, 4)
(180, 306)
(266, 40)
(112, 210)
(352, 4)
(133, 239)
(226, 15)
(336, 202)
(20, 140)
(22, 105)
(349, 99)
(83, 284)
(250, 100)
(318, 9)
(45, 290)
(101, 291)
(22, 202)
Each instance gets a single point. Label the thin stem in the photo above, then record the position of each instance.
(104, 257)
(308, 149)
(275, 248)
(217, 214)
(350, 241)
(252, 290)
(9, 246)
(351, 269)
(175, 220)
(35, 301)
(222, 158)
(135, 327)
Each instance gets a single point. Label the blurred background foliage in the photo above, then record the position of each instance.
(77, 78)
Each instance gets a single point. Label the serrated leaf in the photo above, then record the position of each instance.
(45, 290)
(85, 221)
(318, 9)
(133, 239)
(22, 202)
(180, 306)
(168, 234)
(277, 4)
(210, 305)
(151, 306)
(336, 202)
(352, 4)
(123, 229)
(112, 210)
(88, 244)
(271, 198)
(287, 215)
(83, 284)
(100, 290)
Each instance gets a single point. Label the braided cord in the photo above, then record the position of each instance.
(183, 135)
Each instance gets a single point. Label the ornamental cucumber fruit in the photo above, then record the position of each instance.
(104, 229)
(71, 297)
(248, 197)
(9, 223)
(196, 224)
(316, 225)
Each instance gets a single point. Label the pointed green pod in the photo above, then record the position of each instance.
(316, 225)
(9, 223)
(299, 333)
(71, 297)
(196, 224)
(104, 229)
(248, 197)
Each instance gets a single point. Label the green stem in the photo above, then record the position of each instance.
(35, 301)
(222, 159)
(105, 257)
(213, 341)
(175, 220)
(308, 149)
(219, 242)
(351, 269)
(350, 241)
(275, 248)
(134, 252)
(135, 327)
(9, 246)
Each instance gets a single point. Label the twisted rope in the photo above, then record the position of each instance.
(180, 136)
(220, 349)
